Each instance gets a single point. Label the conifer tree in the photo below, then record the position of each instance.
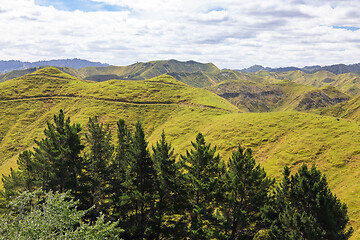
(96, 176)
(169, 189)
(121, 184)
(142, 191)
(246, 192)
(57, 156)
(55, 163)
(22, 179)
(304, 206)
(203, 171)
(120, 169)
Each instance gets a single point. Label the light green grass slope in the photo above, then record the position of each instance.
(348, 83)
(283, 95)
(141, 71)
(277, 138)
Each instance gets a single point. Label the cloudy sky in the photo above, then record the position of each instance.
(230, 33)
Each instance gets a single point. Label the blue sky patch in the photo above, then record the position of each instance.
(218, 9)
(353, 29)
(82, 5)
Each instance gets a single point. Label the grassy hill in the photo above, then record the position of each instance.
(141, 71)
(284, 95)
(348, 83)
(163, 103)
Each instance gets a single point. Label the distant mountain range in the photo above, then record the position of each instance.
(336, 69)
(11, 65)
(7, 66)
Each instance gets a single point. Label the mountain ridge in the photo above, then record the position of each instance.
(11, 65)
(335, 68)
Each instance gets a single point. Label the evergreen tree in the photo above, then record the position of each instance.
(304, 206)
(55, 163)
(203, 172)
(120, 170)
(247, 190)
(142, 188)
(310, 193)
(96, 174)
(57, 156)
(21, 179)
(170, 191)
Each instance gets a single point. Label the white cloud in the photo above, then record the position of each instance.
(230, 33)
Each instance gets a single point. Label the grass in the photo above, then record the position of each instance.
(163, 103)
(348, 83)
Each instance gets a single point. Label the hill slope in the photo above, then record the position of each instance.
(284, 95)
(348, 83)
(163, 103)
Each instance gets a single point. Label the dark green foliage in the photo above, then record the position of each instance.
(170, 191)
(57, 156)
(304, 208)
(96, 173)
(247, 189)
(203, 172)
(121, 183)
(55, 163)
(142, 189)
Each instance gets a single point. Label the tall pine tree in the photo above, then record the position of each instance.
(170, 191)
(121, 183)
(142, 190)
(303, 207)
(55, 163)
(203, 171)
(246, 192)
(96, 173)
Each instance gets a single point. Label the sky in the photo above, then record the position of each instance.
(232, 34)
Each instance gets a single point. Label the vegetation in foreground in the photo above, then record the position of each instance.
(153, 196)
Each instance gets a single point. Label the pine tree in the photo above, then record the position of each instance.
(303, 205)
(120, 170)
(57, 156)
(247, 190)
(310, 193)
(96, 174)
(22, 179)
(142, 190)
(55, 163)
(169, 189)
(203, 172)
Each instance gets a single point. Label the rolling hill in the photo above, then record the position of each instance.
(284, 95)
(348, 83)
(164, 103)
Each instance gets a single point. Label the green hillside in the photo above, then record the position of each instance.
(284, 95)
(163, 103)
(348, 83)
(141, 71)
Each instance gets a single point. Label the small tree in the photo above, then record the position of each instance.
(48, 215)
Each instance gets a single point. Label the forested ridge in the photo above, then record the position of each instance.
(135, 193)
